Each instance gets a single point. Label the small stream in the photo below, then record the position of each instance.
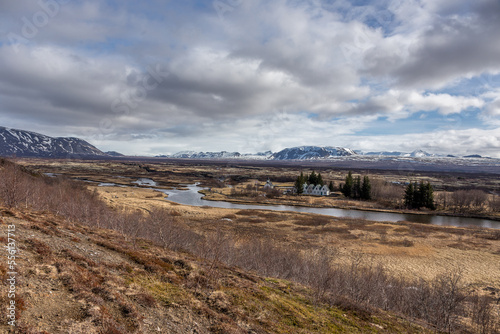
(194, 198)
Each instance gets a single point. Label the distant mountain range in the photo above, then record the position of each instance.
(205, 155)
(312, 153)
(30, 144)
(414, 154)
(295, 153)
(306, 153)
(22, 143)
(217, 155)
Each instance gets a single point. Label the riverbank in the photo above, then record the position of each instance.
(344, 204)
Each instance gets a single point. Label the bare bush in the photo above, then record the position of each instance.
(449, 294)
(130, 224)
(217, 247)
(320, 272)
(386, 192)
(443, 200)
(249, 191)
(273, 193)
(168, 230)
(482, 314)
(14, 187)
(468, 200)
(494, 203)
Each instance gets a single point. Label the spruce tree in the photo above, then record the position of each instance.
(366, 189)
(299, 183)
(313, 178)
(356, 189)
(429, 197)
(420, 195)
(319, 180)
(331, 186)
(347, 188)
(409, 196)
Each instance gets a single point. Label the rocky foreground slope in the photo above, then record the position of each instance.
(76, 279)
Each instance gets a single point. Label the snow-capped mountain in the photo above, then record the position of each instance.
(218, 155)
(114, 154)
(294, 153)
(205, 155)
(387, 154)
(312, 152)
(420, 154)
(257, 156)
(180, 155)
(414, 154)
(30, 144)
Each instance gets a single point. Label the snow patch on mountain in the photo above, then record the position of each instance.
(312, 153)
(205, 155)
(30, 144)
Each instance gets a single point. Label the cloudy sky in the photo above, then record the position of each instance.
(157, 76)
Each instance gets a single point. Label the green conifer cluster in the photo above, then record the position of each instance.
(419, 196)
(313, 178)
(354, 188)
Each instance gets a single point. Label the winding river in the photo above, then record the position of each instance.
(193, 197)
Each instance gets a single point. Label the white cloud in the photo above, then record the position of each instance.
(399, 104)
(456, 142)
(265, 63)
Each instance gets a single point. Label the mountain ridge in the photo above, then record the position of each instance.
(311, 153)
(22, 143)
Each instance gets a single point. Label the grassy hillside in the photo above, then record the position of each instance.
(77, 279)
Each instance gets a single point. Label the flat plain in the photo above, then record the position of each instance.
(406, 249)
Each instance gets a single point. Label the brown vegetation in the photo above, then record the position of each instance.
(387, 193)
(107, 283)
(357, 285)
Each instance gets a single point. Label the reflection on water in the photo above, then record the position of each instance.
(146, 182)
(104, 184)
(192, 197)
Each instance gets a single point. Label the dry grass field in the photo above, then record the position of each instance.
(410, 256)
(388, 186)
(411, 250)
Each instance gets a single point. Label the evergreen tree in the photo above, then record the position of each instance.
(313, 178)
(319, 180)
(429, 197)
(299, 183)
(356, 189)
(409, 196)
(331, 186)
(419, 195)
(348, 185)
(366, 189)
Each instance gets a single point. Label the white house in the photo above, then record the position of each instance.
(316, 190)
(269, 185)
(325, 191)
